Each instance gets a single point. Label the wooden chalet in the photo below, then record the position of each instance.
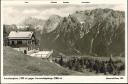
(22, 40)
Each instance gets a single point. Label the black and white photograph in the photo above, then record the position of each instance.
(64, 39)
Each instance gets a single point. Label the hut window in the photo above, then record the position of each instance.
(19, 42)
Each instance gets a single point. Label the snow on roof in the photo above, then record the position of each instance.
(42, 54)
(20, 35)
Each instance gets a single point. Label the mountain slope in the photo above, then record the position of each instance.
(102, 35)
(98, 32)
(63, 36)
(16, 63)
(51, 23)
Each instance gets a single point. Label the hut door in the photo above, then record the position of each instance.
(25, 51)
(12, 42)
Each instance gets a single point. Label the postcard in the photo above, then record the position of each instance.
(57, 41)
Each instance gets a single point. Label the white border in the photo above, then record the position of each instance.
(69, 79)
(1, 43)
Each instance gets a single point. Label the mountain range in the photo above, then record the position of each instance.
(99, 32)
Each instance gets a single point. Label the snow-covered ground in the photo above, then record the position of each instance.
(40, 54)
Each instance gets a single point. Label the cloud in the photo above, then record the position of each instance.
(32, 11)
(11, 15)
(119, 7)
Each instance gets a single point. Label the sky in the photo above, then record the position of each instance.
(15, 13)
